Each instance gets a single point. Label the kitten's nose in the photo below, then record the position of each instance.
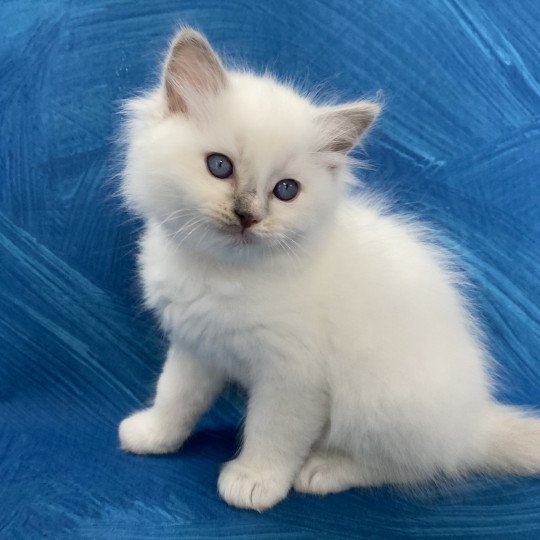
(246, 219)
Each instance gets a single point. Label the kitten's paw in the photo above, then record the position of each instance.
(324, 473)
(252, 488)
(146, 432)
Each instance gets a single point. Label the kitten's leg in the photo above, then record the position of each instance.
(185, 390)
(331, 471)
(284, 419)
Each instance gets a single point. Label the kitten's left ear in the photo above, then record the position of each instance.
(344, 125)
(193, 72)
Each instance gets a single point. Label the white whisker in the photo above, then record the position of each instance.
(193, 227)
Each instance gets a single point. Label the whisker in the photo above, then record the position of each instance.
(184, 227)
(178, 213)
(206, 230)
(286, 250)
(193, 227)
(296, 244)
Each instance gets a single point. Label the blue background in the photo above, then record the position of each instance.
(458, 144)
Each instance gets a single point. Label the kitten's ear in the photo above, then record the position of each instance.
(343, 125)
(193, 72)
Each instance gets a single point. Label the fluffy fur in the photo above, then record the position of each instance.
(344, 323)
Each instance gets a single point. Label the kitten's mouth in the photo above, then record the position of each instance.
(244, 236)
(239, 235)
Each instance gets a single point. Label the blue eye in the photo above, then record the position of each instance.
(286, 190)
(219, 165)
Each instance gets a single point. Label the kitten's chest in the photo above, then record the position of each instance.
(229, 321)
(201, 307)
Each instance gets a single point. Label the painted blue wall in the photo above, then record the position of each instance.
(458, 144)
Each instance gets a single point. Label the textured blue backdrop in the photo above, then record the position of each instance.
(458, 143)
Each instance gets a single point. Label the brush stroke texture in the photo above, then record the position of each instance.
(459, 144)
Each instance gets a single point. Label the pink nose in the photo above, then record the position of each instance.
(246, 220)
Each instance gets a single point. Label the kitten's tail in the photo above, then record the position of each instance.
(513, 442)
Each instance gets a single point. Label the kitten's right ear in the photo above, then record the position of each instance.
(193, 72)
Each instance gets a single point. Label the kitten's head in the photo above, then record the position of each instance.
(234, 164)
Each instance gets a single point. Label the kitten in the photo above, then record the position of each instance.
(345, 324)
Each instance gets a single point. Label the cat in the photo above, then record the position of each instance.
(346, 324)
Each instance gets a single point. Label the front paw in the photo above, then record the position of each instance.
(245, 486)
(149, 432)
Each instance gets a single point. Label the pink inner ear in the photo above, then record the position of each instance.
(175, 101)
(193, 72)
(345, 124)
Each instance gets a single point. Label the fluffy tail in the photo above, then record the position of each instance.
(512, 440)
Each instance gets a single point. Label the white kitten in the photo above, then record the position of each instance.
(346, 326)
